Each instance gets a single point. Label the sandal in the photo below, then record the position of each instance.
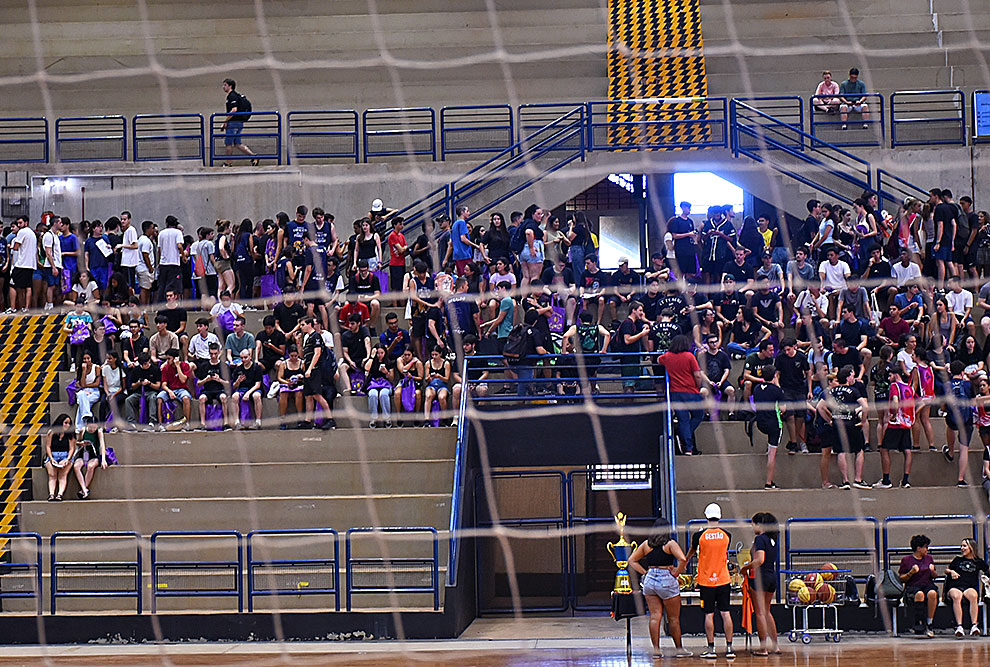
(255, 162)
(51, 497)
(58, 498)
(829, 485)
(759, 653)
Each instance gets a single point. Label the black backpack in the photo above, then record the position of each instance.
(519, 342)
(244, 109)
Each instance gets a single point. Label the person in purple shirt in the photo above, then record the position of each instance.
(917, 571)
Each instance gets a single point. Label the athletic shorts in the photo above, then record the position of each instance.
(853, 443)
(897, 439)
(313, 385)
(959, 255)
(714, 598)
(764, 582)
(660, 582)
(796, 401)
(772, 431)
(212, 396)
(944, 253)
(49, 277)
(145, 279)
(21, 278)
(418, 326)
(911, 591)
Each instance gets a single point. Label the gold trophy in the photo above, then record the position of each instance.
(620, 552)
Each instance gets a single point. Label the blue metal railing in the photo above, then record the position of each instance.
(890, 551)
(827, 552)
(389, 563)
(980, 121)
(557, 522)
(159, 137)
(29, 134)
(829, 128)
(32, 566)
(281, 570)
(894, 189)
(531, 119)
(928, 118)
(766, 139)
(476, 129)
(91, 139)
(785, 110)
(262, 133)
(657, 124)
(460, 469)
(408, 131)
(214, 569)
(128, 571)
(322, 134)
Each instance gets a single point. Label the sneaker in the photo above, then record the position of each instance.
(866, 126)
(729, 653)
(860, 484)
(283, 427)
(682, 653)
(803, 448)
(49, 306)
(974, 631)
(257, 424)
(227, 427)
(845, 127)
(845, 486)
(905, 485)
(947, 453)
(883, 485)
(929, 632)
(329, 424)
(9, 311)
(388, 424)
(72, 368)
(372, 424)
(792, 448)
(962, 484)
(959, 632)
(708, 653)
(770, 486)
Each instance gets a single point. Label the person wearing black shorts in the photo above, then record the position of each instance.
(211, 378)
(844, 412)
(313, 351)
(762, 570)
(900, 419)
(795, 383)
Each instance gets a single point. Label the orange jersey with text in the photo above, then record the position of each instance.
(712, 545)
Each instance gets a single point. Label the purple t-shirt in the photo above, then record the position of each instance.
(923, 577)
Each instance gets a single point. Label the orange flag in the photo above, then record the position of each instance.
(747, 607)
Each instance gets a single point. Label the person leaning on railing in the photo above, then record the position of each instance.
(685, 394)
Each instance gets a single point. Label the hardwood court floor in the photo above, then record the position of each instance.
(873, 651)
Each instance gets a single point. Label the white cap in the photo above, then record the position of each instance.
(377, 206)
(713, 511)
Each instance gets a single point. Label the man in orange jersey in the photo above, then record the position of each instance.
(711, 544)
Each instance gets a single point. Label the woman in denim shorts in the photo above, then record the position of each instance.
(660, 560)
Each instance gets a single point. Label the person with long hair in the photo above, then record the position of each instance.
(962, 582)
(244, 254)
(659, 560)
(685, 389)
(762, 571)
(89, 379)
(368, 245)
(495, 240)
(982, 242)
(92, 452)
(223, 260)
(60, 448)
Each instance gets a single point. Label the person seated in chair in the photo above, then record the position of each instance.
(917, 571)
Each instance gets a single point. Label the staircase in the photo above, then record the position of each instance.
(32, 349)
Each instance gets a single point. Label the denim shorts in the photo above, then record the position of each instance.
(232, 135)
(660, 582)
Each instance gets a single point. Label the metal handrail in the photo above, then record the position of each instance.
(177, 128)
(958, 105)
(26, 136)
(406, 130)
(906, 189)
(489, 126)
(89, 124)
(791, 551)
(434, 563)
(877, 114)
(320, 123)
(38, 592)
(460, 465)
(889, 550)
(237, 565)
(263, 121)
(135, 565)
(708, 116)
(297, 562)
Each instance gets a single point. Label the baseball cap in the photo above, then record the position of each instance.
(377, 206)
(623, 260)
(713, 511)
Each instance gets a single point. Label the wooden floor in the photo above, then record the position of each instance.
(874, 651)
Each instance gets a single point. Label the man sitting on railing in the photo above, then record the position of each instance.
(852, 94)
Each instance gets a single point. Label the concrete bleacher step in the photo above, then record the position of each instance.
(320, 511)
(801, 471)
(261, 480)
(723, 437)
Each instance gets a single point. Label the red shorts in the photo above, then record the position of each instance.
(460, 264)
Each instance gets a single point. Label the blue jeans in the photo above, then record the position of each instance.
(523, 373)
(781, 256)
(736, 348)
(688, 418)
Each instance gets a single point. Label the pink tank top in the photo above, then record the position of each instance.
(926, 382)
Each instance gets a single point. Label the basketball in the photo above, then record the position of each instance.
(826, 594)
(829, 576)
(813, 580)
(796, 584)
(804, 595)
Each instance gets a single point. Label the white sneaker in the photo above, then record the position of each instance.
(974, 631)
(49, 306)
(959, 632)
(72, 368)
(257, 424)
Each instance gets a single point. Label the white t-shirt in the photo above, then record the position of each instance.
(51, 242)
(130, 256)
(835, 276)
(670, 252)
(86, 294)
(958, 303)
(205, 250)
(905, 274)
(169, 240)
(113, 378)
(27, 255)
(145, 246)
(199, 347)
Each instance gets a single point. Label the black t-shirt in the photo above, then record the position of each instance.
(744, 336)
(367, 285)
(651, 305)
(461, 310)
(675, 302)
(594, 282)
(550, 277)
(715, 365)
(249, 376)
(205, 369)
(288, 316)
(628, 327)
(793, 371)
(852, 357)
(740, 273)
(768, 546)
(270, 357)
(766, 305)
(662, 334)
(756, 366)
(152, 373)
(134, 346)
(729, 304)
(497, 245)
(947, 214)
(234, 100)
(968, 570)
(766, 396)
(625, 280)
(354, 343)
(311, 343)
(843, 405)
(880, 270)
(175, 316)
(851, 332)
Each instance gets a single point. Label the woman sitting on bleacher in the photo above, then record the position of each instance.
(290, 376)
(92, 452)
(378, 386)
(962, 581)
(60, 447)
(89, 380)
(409, 371)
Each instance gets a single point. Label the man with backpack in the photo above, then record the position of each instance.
(587, 340)
(524, 340)
(239, 112)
